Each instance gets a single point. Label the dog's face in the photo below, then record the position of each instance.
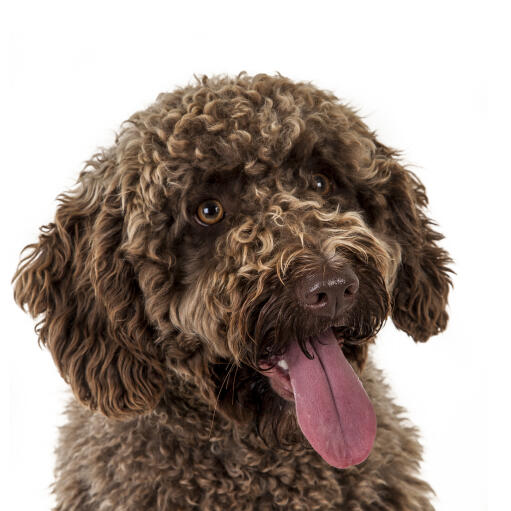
(250, 235)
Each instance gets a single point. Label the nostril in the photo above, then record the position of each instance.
(316, 299)
(350, 290)
(322, 298)
(352, 285)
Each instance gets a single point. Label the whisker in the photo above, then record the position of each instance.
(230, 365)
(233, 384)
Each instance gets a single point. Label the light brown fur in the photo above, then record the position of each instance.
(160, 324)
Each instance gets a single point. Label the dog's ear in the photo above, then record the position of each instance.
(421, 288)
(85, 293)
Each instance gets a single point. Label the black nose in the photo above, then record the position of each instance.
(330, 293)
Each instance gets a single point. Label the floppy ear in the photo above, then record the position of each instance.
(86, 294)
(422, 283)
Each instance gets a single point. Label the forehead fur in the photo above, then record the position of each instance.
(224, 123)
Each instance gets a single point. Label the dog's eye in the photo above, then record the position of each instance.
(210, 212)
(321, 184)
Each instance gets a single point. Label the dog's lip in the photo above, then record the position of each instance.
(278, 374)
(273, 361)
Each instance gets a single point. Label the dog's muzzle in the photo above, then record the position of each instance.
(332, 408)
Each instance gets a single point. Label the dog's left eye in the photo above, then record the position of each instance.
(210, 212)
(321, 184)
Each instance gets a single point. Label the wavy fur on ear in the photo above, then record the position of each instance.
(422, 284)
(91, 309)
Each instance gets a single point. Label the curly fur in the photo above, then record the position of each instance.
(160, 324)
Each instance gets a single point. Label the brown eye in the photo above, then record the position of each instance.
(210, 212)
(321, 184)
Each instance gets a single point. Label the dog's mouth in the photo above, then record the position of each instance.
(332, 407)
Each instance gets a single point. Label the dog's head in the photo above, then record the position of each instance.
(237, 234)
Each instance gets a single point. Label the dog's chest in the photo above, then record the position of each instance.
(176, 459)
(144, 465)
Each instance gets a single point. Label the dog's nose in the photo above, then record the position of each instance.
(328, 294)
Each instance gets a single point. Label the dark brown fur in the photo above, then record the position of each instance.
(160, 323)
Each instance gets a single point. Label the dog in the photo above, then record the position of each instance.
(210, 291)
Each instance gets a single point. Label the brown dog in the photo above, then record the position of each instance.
(209, 291)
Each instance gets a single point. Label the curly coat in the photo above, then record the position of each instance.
(160, 323)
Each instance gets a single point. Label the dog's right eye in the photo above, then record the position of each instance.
(321, 184)
(210, 212)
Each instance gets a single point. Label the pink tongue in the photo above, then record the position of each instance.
(332, 407)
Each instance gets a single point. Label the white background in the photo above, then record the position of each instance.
(431, 78)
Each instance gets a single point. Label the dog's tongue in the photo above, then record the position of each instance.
(332, 407)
